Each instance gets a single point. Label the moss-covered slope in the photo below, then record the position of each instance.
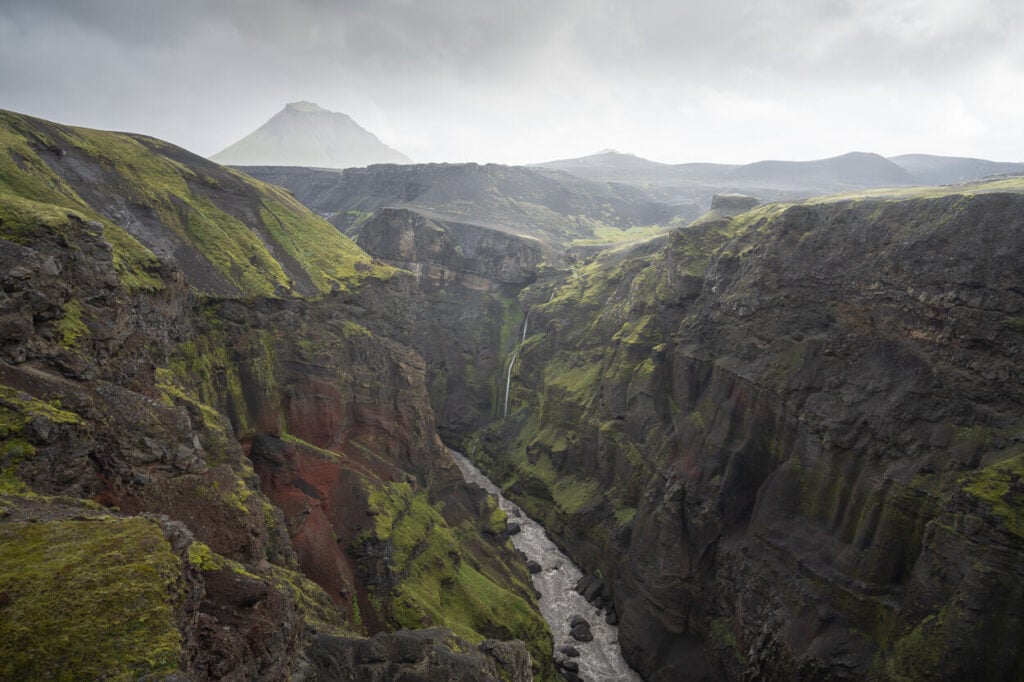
(789, 441)
(229, 234)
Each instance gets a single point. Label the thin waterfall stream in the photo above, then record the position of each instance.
(599, 660)
(508, 380)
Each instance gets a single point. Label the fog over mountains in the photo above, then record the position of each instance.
(304, 134)
(854, 170)
(307, 150)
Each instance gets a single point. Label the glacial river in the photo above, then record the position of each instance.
(600, 660)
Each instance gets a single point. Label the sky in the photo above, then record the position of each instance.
(523, 81)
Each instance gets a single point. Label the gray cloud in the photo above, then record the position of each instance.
(531, 80)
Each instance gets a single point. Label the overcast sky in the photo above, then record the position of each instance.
(519, 81)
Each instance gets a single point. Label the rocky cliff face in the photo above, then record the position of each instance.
(466, 318)
(201, 408)
(788, 444)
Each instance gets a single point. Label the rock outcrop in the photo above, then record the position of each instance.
(466, 318)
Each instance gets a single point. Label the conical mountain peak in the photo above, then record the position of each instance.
(305, 107)
(305, 134)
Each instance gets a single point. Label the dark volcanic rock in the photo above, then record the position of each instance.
(445, 251)
(581, 633)
(733, 204)
(514, 528)
(417, 655)
(580, 629)
(798, 432)
(590, 587)
(533, 566)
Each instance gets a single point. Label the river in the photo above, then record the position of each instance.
(600, 660)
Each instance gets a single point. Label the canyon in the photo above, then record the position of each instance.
(782, 441)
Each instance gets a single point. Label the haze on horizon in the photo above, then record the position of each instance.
(472, 80)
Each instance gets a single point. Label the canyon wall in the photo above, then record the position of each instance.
(788, 444)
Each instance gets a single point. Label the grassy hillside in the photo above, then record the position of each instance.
(230, 234)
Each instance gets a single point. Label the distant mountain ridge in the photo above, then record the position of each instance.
(549, 205)
(304, 134)
(947, 170)
(773, 180)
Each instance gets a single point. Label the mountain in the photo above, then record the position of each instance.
(303, 134)
(946, 170)
(613, 166)
(766, 179)
(553, 206)
(855, 170)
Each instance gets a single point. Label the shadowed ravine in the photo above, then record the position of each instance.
(600, 660)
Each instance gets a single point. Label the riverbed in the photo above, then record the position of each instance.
(600, 660)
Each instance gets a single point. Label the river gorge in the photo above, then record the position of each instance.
(599, 660)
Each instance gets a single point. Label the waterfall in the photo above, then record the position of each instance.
(508, 378)
(508, 381)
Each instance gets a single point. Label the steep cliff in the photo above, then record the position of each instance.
(466, 318)
(202, 409)
(788, 444)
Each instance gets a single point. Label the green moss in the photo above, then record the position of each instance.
(234, 250)
(572, 493)
(354, 330)
(723, 636)
(440, 581)
(576, 374)
(625, 514)
(205, 559)
(88, 600)
(17, 409)
(203, 367)
(643, 330)
(34, 199)
(918, 655)
(999, 488)
(497, 521)
(316, 606)
(13, 451)
(332, 260)
(608, 234)
(70, 326)
(216, 429)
